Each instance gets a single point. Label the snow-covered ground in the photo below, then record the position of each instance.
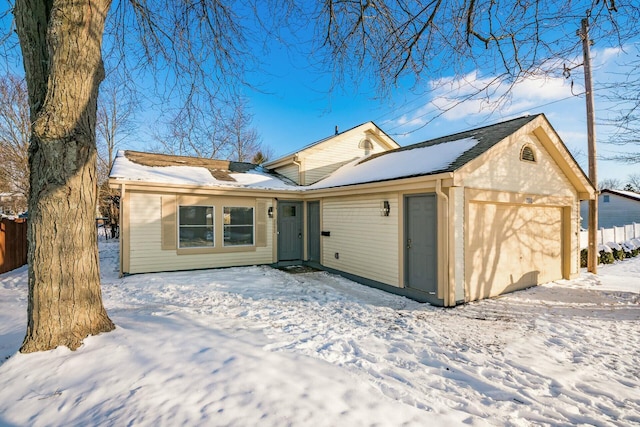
(257, 346)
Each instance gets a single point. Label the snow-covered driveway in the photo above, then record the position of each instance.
(257, 346)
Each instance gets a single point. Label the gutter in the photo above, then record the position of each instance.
(296, 161)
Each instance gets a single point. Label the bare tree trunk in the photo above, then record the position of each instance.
(61, 46)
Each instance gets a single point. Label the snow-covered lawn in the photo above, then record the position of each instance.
(257, 346)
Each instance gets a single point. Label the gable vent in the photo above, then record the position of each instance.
(367, 145)
(527, 154)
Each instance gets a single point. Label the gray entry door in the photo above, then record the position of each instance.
(421, 257)
(313, 231)
(289, 231)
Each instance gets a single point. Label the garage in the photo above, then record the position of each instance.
(512, 247)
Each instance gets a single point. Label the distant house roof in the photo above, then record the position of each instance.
(169, 169)
(623, 193)
(440, 155)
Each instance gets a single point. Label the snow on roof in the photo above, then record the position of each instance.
(164, 169)
(422, 160)
(624, 193)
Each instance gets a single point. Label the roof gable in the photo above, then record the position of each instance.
(441, 155)
(368, 128)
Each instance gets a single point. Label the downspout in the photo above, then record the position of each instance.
(296, 161)
(446, 264)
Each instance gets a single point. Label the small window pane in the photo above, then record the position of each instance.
(238, 216)
(289, 211)
(606, 198)
(238, 226)
(194, 237)
(196, 215)
(195, 226)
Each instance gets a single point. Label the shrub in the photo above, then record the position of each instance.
(631, 249)
(583, 258)
(617, 249)
(606, 257)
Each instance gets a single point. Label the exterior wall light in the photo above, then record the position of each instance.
(385, 209)
(270, 211)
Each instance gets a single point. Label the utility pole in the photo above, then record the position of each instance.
(592, 254)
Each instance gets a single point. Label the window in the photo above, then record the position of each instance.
(606, 198)
(238, 226)
(288, 211)
(527, 154)
(195, 226)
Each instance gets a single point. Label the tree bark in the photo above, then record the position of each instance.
(61, 45)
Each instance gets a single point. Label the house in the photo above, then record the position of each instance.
(615, 209)
(450, 220)
(12, 203)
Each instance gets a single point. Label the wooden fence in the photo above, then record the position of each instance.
(13, 244)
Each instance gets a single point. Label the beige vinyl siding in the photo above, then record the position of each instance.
(328, 157)
(146, 254)
(367, 243)
(456, 196)
(290, 171)
(505, 171)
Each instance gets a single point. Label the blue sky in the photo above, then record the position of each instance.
(297, 109)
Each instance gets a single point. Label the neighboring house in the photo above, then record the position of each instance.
(450, 220)
(615, 209)
(12, 203)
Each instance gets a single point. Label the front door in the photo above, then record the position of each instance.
(289, 231)
(421, 257)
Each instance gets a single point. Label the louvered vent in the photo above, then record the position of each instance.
(527, 154)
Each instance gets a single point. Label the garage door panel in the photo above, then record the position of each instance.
(512, 247)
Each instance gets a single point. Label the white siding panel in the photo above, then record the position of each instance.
(366, 241)
(290, 171)
(146, 254)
